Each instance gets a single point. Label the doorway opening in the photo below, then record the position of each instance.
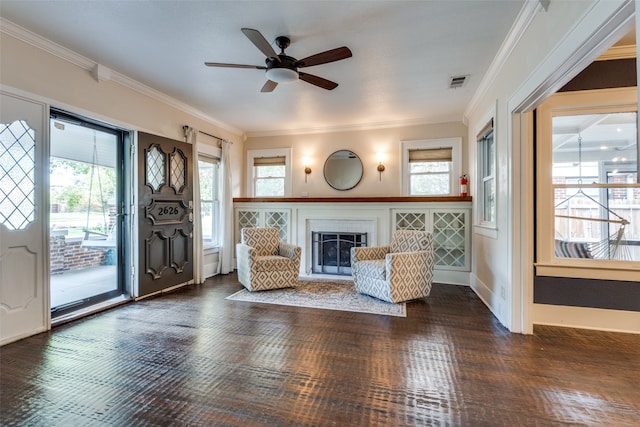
(87, 210)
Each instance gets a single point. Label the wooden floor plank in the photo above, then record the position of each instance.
(193, 358)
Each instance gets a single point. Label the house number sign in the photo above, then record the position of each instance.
(162, 212)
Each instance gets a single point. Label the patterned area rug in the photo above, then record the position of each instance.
(327, 294)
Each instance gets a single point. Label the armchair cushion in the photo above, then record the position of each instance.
(264, 240)
(410, 241)
(272, 263)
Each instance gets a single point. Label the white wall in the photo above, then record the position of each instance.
(553, 39)
(366, 144)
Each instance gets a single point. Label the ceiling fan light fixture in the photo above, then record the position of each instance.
(282, 75)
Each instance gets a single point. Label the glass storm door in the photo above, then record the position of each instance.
(86, 213)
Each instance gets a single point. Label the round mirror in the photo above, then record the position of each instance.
(343, 170)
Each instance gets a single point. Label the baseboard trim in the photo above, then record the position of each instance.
(586, 318)
(490, 299)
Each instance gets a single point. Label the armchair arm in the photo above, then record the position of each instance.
(290, 251)
(368, 252)
(244, 254)
(420, 262)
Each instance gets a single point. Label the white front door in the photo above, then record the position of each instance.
(24, 298)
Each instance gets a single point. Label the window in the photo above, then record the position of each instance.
(431, 167)
(487, 175)
(594, 172)
(209, 169)
(269, 173)
(587, 189)
(430, 172)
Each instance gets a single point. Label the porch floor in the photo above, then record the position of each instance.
(76, 285)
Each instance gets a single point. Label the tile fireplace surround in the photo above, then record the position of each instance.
(378, 217)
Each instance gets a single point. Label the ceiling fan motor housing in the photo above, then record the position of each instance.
(284, 62)
(282, 71)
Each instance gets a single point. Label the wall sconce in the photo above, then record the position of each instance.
(380, 167)
(307, 169)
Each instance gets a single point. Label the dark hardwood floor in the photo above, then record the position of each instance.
(192, 358)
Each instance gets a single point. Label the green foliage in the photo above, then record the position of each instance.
(72, 186)
(72, 197)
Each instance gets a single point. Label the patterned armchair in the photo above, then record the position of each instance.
(399, 272)
(265, 262)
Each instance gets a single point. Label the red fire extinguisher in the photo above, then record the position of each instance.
(463, 186)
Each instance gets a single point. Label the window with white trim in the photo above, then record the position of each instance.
(209, 177)
(269, 173)
(430, 167)
(487, 175)
(430, 172)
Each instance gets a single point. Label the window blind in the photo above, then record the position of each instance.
(485, 130)
(430, 155)
(271, 161)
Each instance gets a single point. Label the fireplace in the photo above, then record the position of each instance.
(331, 251)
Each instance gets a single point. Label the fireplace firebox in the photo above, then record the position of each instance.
(331, 252)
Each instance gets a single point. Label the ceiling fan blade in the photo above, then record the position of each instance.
(269, 86)
(324, 57)
(218, 64)
(260, 42)
(318, 81)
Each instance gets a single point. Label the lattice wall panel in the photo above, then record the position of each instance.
(278, 220)
(411, 221)
(449, 238)
(247, 219)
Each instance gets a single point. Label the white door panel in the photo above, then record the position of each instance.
(24, 298)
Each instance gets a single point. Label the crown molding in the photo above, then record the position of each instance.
(354, 127)
(48, 46)
(522, 22)
(85, 63)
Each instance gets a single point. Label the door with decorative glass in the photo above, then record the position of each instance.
(23, 165)
(165, 213)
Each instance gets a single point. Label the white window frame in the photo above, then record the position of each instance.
(484, 228)
(483, 176)
(430, 144)
(212, 152)
(274, 152)
(612, 100)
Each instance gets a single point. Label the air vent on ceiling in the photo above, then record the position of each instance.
(457, 81)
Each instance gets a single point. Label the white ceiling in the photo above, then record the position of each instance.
(404, 53)
(609, 137)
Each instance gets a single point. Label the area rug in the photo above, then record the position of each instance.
(326, 294)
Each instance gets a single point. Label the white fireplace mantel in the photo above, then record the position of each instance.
(448, 217)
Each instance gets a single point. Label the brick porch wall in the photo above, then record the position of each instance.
(68, 254)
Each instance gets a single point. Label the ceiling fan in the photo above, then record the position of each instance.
(281, 68)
